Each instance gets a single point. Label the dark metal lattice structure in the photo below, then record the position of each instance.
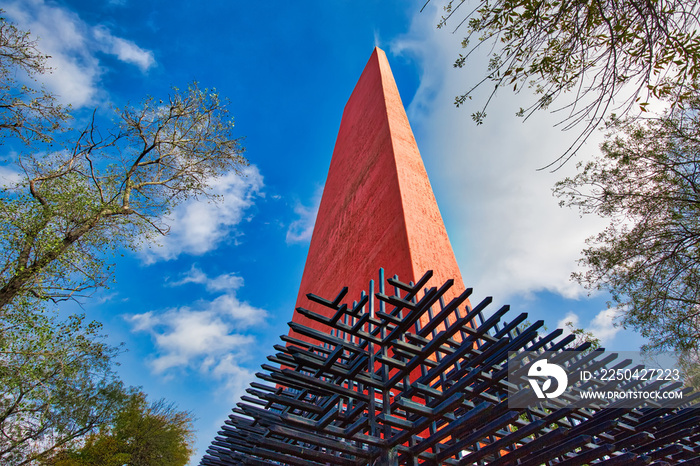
(379, 388)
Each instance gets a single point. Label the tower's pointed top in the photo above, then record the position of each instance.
(375, 78)
(378, 208)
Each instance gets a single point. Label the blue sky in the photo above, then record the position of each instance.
(199, 313)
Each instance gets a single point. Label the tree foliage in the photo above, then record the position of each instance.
(109, 188)
(25, 112)
(81, 196)
(57, 384)
(582, 336)
(598, 51)
(141, 434)
(689, 364)
(647, 181)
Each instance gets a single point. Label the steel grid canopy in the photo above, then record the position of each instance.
(410, 373)
(377, 387)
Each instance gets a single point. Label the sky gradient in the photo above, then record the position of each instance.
(198, 313)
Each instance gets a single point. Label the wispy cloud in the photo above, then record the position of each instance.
(9, 176)
(236, 379)
(377, 39)
(73, 46)
(124, 50)
(209, 336)
(187, 337)
(602, 326)
(510, 236)
(199, 226)
(301, 229)
(225, 282)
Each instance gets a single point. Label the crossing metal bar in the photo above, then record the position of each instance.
(378, 388)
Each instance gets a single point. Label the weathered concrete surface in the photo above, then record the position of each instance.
(378, 208)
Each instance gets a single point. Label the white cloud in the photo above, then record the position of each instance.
(208, 336)
(142, 322)
(301, 229)
(570, 318)
(184, 336)
(602, 326)
(199, 226)
(73, 46)
(225, 282)
(243, 314)
(125, 50)
(9, 176)
(236, 378)
(377, 39)
(509, 234)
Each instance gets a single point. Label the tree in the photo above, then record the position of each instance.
(582, 336)
(647, 181)
(25, 112)
(82, 196)
(154, 434)
(141, 434)
(99, 188)
(597, 51)
(689, 363)
(108, 190)
(57, 385)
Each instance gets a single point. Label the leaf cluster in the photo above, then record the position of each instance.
(57, 383)
(141, 434)
(109, 190)
(83, 195)
(26, 112)
(600, 50)
(647, 181)
(583, 336)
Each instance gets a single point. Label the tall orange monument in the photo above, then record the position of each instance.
(378, 208)
(374, 385)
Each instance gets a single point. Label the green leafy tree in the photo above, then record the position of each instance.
(689, 364)
(100, 188)
(82, 196)
(108, 190)
(25, 112)
(154, 434)
(141, 434)
(57, 384)
(596, 51)
(647, 182)
(582, 336)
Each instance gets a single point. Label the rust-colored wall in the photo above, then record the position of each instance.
(378, 208)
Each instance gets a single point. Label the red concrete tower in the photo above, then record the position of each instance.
(378, 208)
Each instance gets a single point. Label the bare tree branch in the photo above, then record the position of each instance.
(618, 55)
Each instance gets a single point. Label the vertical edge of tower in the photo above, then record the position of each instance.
(427, 236)
(378, 208)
